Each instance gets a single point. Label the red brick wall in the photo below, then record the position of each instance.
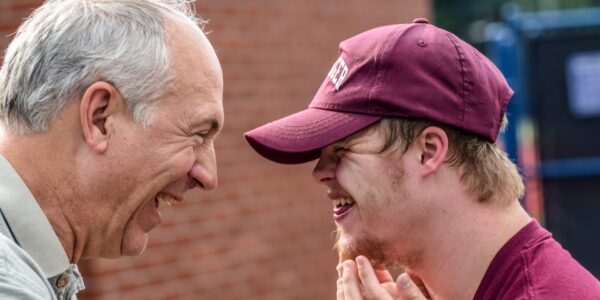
(266, 232)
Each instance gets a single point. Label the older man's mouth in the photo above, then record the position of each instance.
(154, 217)
(165, 198)
(342, 207)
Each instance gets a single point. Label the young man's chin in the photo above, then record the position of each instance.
(369, 247)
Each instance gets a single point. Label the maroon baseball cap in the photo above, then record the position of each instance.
(412, 70)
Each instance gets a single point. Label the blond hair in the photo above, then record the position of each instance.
(486, 170)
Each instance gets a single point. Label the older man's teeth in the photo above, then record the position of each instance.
(166, 199)
(342, 201)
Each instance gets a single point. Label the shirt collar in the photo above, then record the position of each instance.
(29, 224)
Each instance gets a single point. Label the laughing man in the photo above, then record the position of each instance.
(404, 129)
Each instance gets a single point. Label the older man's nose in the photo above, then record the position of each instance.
(205, 177)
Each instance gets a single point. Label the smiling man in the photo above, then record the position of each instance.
(108, 110)
(404, 129)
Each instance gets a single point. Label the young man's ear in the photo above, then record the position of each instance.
(99, 105)
(433, 148)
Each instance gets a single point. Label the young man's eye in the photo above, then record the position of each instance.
(339, 150)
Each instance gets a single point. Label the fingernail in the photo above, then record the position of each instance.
(340, 270)
(405, 281)
(345, 267)
(346, 264)
(360, 260)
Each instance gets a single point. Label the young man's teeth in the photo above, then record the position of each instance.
(166, 199)
(342, 201)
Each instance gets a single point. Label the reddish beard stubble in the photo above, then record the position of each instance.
(371, 248)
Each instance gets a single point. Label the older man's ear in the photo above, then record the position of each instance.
(99, 106)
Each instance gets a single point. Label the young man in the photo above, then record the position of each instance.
(404, 127)
(107, 109)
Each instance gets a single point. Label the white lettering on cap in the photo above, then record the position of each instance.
(338, 73)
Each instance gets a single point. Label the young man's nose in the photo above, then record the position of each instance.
(324, 171)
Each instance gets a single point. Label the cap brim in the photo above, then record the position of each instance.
(298, 138)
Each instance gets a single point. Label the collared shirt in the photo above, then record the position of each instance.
(24, 223)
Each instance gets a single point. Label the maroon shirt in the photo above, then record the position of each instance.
(532, 265)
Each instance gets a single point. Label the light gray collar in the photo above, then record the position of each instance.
(29, 224)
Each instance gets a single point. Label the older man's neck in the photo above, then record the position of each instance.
(463, 246)
(38, 160)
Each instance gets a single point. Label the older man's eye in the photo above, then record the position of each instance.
(202, 136)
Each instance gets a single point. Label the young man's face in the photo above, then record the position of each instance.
(383, 210)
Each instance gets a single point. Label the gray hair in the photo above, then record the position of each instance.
(66, 45)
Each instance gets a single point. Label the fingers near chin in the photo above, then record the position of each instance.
(407, 289)
(351, 281)
(384, 276)
(340, 290)
(419, 283)
(370, 284)
(365, 270)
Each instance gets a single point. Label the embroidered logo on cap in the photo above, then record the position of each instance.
(338, 73)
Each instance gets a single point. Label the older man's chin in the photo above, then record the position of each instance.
(135, 245)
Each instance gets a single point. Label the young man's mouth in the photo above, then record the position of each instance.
(342, 207)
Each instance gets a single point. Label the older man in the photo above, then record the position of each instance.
(404, 127)
(108, 109)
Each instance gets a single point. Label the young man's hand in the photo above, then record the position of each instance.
(358, 280)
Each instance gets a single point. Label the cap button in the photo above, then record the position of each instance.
(421, 20)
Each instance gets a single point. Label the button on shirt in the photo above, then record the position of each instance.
(33, 263)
